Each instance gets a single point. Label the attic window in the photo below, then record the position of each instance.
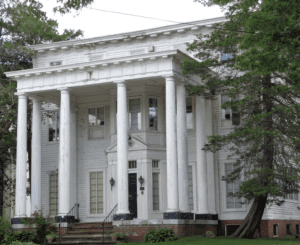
(55, 63)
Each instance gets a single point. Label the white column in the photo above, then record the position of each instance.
(122, 147)
(21, 180)
(182, 152)
(201, 157)
(64, 172)
(172, 170)
(36, 180)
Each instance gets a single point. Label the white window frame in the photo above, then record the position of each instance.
(53, 141)
(156, 170)
(193, 112)
(88, 181)
(230, 124)
(223, 183)
(277, 230)
(157, 113)
(102, 127)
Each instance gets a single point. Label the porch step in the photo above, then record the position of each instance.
(92, 224)
(88, 231)
(94, 237)
(82, 242)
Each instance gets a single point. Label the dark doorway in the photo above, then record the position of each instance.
(132, 187)
(231, 229)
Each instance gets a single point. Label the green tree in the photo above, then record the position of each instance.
(22, 23)
(261, 41)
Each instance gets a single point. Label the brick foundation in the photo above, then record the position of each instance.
(266, 228)
(136, 233)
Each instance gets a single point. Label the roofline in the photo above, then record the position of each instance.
(157, 30)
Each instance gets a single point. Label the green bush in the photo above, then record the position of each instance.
(22, 236)
(160, 235)
(5, 227)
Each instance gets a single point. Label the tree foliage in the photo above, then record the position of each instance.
(22, 23)
(263, 70)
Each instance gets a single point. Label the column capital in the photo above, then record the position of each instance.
(121, 82)
(65, 90)
(168, 77)
(21, 95)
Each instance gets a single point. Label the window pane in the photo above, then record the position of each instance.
(191, 195)
(189, 113)
(51, 122)
(225, 112)
(57, 125)
(155, 191)
(153, 113)
(135, 120)
(100, 116)
(134, 105)
(92, 117)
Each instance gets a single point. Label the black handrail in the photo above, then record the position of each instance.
(107, 217)
(73, 211)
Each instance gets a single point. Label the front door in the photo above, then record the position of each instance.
(132, 194)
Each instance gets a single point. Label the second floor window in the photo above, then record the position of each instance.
(96, 116)
(135, 115)
(189, 113)
(53, 122)
(152, 114)
(229, 114)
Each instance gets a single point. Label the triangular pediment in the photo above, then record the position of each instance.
(136, 144)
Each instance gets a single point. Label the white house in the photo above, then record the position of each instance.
(120, 114)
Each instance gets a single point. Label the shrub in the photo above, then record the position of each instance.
(210, 234)
(160, 235)
(5, 227)
(22, 236)
(22, 243)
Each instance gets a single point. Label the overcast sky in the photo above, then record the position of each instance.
(97, 23)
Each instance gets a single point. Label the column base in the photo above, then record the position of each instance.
(68, 219)
(178, 215)
(206, 216)
(117, 217)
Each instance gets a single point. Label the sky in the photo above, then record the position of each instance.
(98, 23)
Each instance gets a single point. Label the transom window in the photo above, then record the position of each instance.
(233, 187)
(53, 194)
(189, 113)
(132, 164)
(53, 122)
(152, 114)
(228, 114)
(154, 163)
(135, 117)
(96, 193)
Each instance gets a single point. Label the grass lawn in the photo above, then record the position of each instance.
(195, 240)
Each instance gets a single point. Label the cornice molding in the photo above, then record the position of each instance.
(93, 64)
(115, 38)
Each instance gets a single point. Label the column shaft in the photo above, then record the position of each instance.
(182, 152)
(201, 157)
(20, 205)
(122, 147)
(36, 180)
(64, 179)
(172, 169)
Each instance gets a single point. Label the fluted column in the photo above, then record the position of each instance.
(122, 148)
(172, 169)
(183, 178)
(201, 157)
(36, 162)
(64, 174)
(20, 205)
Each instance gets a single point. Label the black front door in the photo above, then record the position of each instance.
(132, 194)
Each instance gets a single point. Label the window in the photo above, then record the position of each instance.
(191, 194)
(288, 229)
(53, 122)
(96, 193)
(228, 114)
(275, 230)
(154, 163)
(233, 187)
(152, 114)
(189, 113)
(297, 230)
(155, 186)
(135, 119)
(96, 122)
(227, 55)
(132, 164)
(53, 194)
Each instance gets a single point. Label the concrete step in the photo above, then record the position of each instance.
(91, 224)
(91, 228)
(82, 242)
(87, 237)
(87, 231)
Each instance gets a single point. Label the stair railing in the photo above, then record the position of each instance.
(108, 218)
(73, 212)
